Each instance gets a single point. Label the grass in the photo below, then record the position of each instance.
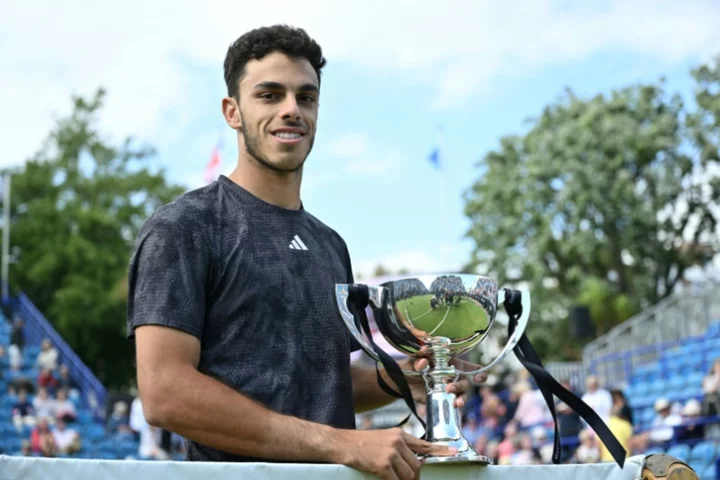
(456, 322)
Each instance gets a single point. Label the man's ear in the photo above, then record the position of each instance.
(231, 113)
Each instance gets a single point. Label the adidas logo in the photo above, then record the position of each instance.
(297, 244)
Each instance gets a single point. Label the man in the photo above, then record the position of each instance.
(598, 398)
(240, 348)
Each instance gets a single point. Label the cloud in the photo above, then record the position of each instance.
(361, 157)
(141, 51)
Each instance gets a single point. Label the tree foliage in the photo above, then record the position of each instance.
(77, 206)
(605, 201)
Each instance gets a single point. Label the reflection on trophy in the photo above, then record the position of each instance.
(451, 314)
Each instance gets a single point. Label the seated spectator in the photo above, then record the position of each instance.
(42, 440)
(662, 429)
(44, 405)
(598, 398)
(620, 407)
(711, 390)
(506, 448)
(119, 421)
(471, 429)
(523, 452)
(64, 408)
(22, 412)
(26, 449)
(17, 337)
(47, 380)
(66, 382)
(691, 413)
(15, 358)
(543, 445)
(588, 451)
(150, 443)
(621, 428)
(48, 356)
(67, 440)
(531, 408)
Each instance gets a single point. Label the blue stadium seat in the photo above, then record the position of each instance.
(709, 473)
(702, 454)
(654, 451)
(681, 452)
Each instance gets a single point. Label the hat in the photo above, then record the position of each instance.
(661, 404)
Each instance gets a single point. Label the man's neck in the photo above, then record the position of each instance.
(281, 189)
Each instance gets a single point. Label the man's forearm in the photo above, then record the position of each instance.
(366, 391)
(206, 411)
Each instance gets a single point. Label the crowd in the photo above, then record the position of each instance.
(508, 421)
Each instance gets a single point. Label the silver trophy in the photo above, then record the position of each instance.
(451, 314)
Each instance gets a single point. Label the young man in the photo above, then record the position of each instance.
(240, 348)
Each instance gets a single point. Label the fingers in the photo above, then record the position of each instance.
(410, 461)
(420, 364)
(402, 469)
(427, 448)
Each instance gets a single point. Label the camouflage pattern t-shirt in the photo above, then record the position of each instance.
(254, 282)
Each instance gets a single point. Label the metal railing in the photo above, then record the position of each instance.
(37, 328)
(644, 337)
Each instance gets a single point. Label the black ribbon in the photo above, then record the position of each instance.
(359, 298)
(548, 386)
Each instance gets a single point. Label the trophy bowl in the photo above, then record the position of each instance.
(451, 314)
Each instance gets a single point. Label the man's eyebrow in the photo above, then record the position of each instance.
(308, 87)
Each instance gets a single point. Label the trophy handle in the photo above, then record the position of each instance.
(517, 333)
(342, 292)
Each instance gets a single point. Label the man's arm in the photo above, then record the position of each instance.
(366, 391)
(177, 397)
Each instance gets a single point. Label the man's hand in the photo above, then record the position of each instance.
(459, 388)
(389, 454)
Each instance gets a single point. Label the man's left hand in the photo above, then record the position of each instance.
(459, 388)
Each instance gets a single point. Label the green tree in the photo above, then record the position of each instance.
(605, 201)
(77, 206)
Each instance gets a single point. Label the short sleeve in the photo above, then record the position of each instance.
(167, 275)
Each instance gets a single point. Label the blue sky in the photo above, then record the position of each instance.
(479, 69)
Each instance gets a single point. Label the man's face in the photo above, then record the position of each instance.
(278, 109)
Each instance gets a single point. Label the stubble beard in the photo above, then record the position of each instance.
(253, 149)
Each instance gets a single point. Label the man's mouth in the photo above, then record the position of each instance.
(288, 135)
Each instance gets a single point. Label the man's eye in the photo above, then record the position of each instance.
(268, 96)
(307, 98)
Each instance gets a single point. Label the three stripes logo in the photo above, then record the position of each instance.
(297, 244)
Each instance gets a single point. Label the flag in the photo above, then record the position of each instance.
(435, 157)
(213, 164)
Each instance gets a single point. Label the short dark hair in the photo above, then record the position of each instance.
(255, 44)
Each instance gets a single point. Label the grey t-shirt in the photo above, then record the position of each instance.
(255, 284)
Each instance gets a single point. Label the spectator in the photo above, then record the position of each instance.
(691, 413)
(569, 426)
(150, 443)
(67, 440)
(42, 440)
(119, 421)
(66, 382)
(26, 449)
(22, 412)
(587, 452)
(64, 408)
(621, 428)
(471, 429)
(598, 398)
(620, 407)
(17, 337)
(711, 390)
(543, 445)
(531, 408)
(48, 356)
(44, 405)
(523, 452)
(662, 429)
(507, 447)
(137, 418)
(15, 358)
(47, 380)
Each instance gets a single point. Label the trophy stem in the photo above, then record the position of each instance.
(443, 418)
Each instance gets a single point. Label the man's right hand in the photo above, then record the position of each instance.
(389, 454)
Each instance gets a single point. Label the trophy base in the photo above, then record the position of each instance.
(465, 454)
(458, 459)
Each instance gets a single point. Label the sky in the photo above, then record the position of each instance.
(402, 78)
